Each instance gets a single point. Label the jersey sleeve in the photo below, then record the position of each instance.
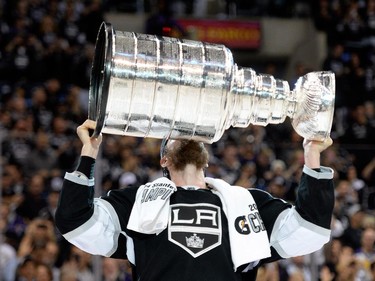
(305, 227)
(95, 225)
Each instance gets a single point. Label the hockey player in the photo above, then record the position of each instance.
(185, 226)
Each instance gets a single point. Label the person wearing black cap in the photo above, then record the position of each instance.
(185, 226)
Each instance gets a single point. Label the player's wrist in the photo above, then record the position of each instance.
(89, 150)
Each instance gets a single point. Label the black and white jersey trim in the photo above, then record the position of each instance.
(290, 229)
(79, 178)
(325, 173)
(101, 232)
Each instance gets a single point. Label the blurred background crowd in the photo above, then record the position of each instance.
(46, 51)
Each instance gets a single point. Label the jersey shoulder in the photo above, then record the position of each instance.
(261, 197)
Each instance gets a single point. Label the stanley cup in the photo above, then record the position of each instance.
(160, 87)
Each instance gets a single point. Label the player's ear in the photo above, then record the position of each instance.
(163, 162)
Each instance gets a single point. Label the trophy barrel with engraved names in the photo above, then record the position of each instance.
(160, 87)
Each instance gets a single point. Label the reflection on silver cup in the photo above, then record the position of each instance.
(150, 86)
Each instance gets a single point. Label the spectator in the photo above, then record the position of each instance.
(230, 162)
(68, 273)
(38, 234)
(21, 54)
(352, 234)
(347, 268)
(358, 185)
(17, 145)
(53, 193)
(8, 255)
(43, 273)
(247, 177)
(336, 61)
(297, 269)
(40, 111)
(55, 93)
(356, 78)
(25, 270)
(263, 161)
(365, 255)
(69, 25)
(269, 272)
(359, 132)
(328, 272)
(130, 162)
(337, 227)
(34, 197)
(346, 197)
(44, 157)
(332, 251)
(80, 263)
(12, 225)
(76, 104)
(62, 142)
(353, 23)
(113, 270)
(277, 187)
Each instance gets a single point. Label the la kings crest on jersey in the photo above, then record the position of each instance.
(196, 228)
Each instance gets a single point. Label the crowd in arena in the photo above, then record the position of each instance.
(46, 51)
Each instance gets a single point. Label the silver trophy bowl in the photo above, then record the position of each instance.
(161, 87)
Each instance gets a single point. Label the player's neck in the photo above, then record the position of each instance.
(189, 176)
